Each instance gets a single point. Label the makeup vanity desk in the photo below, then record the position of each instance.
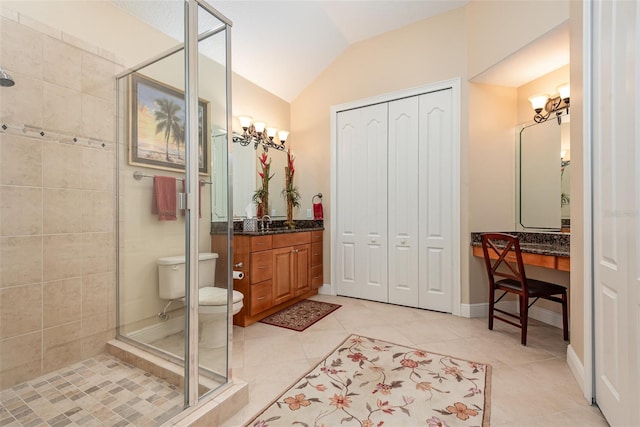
(541, 249)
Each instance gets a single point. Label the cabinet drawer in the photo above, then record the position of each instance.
(261, 266)
(261, 297)
(564, 263)
(260, 243)
(316, 254)
(316, 236)
(316, 276)
(546, 261)
(291, 239)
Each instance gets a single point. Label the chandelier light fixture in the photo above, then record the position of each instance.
(258, 134)
(544, 105)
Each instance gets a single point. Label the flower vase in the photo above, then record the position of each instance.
(265, 203)
(289, 221)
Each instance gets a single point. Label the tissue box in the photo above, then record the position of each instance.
(250, 224)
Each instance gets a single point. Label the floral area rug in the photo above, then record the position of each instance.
(301, 315)
(372, 383)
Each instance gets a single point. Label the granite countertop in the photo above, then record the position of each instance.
(541, 243)
(276, 230)
(276, 227)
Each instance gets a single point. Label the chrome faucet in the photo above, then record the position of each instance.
(267, 217)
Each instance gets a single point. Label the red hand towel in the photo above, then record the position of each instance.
(317, 211)
(184, 189)
(163, 198)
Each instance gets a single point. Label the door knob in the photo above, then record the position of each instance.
(402, 242)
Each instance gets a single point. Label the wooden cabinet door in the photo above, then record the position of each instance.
(301, 255)
(283, 288)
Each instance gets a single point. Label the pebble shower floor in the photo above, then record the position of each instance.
(101, 391)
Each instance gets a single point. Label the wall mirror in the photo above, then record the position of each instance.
(245, 179)
(543, 175)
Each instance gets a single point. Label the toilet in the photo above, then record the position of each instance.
(212, 306)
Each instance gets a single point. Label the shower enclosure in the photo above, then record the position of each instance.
(168, 108)
(97, 99)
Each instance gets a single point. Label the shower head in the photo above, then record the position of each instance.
(5, 79)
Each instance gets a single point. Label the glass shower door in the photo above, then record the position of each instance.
(167, 108)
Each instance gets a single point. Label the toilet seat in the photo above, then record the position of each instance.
(213, 296)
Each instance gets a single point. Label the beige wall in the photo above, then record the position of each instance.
(491, 173)
(499, 28)
(57, 243)
(422, 53)
(252, 100)
(460, 43)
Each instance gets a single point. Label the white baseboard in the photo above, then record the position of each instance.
(541, 314)
(577, 369)
(547, 316)
(325, 290)
(474, 310)
(159, 330)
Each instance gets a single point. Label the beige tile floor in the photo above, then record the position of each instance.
(531, 386)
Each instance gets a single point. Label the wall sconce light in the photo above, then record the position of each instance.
(257, 133)
(544, 105)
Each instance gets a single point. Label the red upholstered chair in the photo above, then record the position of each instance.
(503, 259)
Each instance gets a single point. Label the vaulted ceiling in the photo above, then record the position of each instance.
(283, 46)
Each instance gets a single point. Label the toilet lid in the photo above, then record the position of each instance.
(211, 295)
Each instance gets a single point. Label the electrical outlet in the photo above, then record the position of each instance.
(309, 214)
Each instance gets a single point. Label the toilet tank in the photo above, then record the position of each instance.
(171, 272)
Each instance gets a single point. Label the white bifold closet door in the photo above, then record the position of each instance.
(616, 208)
(362, 222)
(403, 201)
(395, 202)
(436, 202)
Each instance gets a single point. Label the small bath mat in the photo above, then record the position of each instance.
(301, 315)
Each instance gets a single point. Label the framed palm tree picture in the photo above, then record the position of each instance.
(157, 126)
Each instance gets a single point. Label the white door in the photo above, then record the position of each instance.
(435, 216)
(403, 202)
(362, 201)
(616, 200)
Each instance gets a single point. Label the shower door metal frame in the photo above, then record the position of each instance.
(191, 349)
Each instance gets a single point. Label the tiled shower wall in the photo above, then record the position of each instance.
(57, 200)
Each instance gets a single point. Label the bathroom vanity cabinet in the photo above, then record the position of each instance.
(280, 269)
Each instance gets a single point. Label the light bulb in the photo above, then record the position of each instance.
(259, 126)
(564, 91)
(245, 121)
(282, 135)
(538, 102)
(271, 132)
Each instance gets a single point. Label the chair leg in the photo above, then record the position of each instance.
(565, 320)
(524, 317)
(491, 304)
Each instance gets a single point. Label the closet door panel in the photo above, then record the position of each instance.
(373, 168)
(362, 191)
(346, 247)
(436, 204)
(403, 201)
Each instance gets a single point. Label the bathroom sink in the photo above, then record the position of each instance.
(267, 230)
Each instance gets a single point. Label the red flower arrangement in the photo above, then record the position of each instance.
(261, 196)
(290, 191)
